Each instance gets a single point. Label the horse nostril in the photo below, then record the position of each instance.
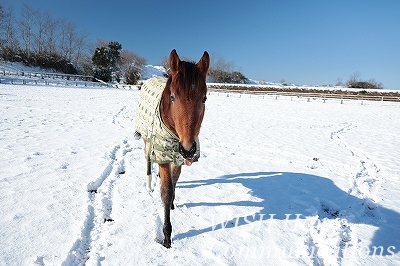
(187, 154)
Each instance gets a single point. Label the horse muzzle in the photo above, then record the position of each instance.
(188, 155)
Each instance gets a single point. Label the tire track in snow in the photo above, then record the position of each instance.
(100, 206)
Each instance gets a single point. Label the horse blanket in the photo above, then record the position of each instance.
(162, 146)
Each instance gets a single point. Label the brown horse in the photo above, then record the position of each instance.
(179, 114)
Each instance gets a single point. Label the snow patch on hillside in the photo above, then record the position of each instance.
(150, 71)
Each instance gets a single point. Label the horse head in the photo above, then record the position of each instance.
(183, 101)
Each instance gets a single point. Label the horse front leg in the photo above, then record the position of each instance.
(167, 194)
(176, 172)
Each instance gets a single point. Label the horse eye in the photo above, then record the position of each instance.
(204, 99)
(172, 98)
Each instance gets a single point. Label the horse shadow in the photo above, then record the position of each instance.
(286, 195)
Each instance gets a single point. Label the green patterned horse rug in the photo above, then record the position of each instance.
(162, 146)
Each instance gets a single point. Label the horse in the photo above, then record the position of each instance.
(174, 115)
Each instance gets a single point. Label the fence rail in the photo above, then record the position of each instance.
(54, 79)
(43, 75)
(50, 82)
(12, 76)
(341, 95)
(58, 79)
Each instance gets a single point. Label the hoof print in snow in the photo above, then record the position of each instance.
(332, 213)
(92, 191)
(313, 166)
(108, 220)
(121, 172)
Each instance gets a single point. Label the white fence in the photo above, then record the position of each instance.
(47, 79)
(9, 76)
(394, 97)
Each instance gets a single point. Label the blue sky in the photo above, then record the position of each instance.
(299, 41)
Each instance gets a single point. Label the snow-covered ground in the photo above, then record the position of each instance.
(280, 181)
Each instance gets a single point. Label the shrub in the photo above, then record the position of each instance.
(103, 74)
(132, 76)
(354, 82)
(221, 76)
(371, 84)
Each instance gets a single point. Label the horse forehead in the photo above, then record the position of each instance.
(192, 89)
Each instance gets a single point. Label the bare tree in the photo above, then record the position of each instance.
(101, 43)
(165, 64)
(354, 78)
(339, 82)
(36, 38)
(51, 34)
(81, 48)
(223, 65)
(355, 82)
(67, 38)
(222, 71)
(129, 59)
(131, 66)
(25, 25)
(7, 30)
(71, 43)
(40, 31)
(3, 19)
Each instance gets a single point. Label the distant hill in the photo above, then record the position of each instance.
(150, 71)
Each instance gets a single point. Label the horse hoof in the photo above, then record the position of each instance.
(172, 206)
(166, 244)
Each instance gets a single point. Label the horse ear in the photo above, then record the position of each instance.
(174, 61)
(204, 63)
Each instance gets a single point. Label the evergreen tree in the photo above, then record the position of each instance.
(105, 61)
(114, 53)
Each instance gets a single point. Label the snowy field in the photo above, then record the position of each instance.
(280, 182)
